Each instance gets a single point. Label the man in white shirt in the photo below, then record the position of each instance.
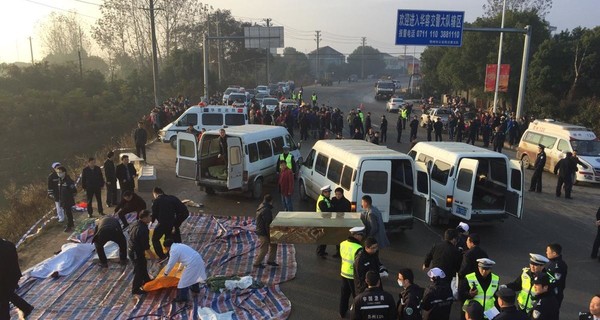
(194, 272)
(594, 313)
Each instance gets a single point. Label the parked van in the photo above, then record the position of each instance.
(362, 168)
(558, 138)
(471, 183)
(209, 118)
(252, 156)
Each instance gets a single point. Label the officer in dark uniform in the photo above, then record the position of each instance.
(438, 298)
(545, 305)
(558, 268)
(508, 309)
(565, 169)
(410, 298)
(366, 260)
(109, 229)
(139, 243)
(538, 168)
(324, 205)
(374, 303)
(594, 313)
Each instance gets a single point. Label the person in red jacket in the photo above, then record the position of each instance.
(286, 185)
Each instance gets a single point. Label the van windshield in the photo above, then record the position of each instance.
(590, 148)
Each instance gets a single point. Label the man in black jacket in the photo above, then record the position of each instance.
(92, 182)
(130, 202)
(469, 260)
(438, 127)
(11, 273)
(444, 255)
(109, 229)
(414, 126)
(374, 303)
(111, 180)
(170, 213)
(409, 302)
(140, 136)
(545, 305)
(565, 169)
(126, 174)
(437, 299)
(558, 268)
(139, 243)
(383, 129)
(366, 260)
(508, 310)
(264, 217)
(66, 195)
(53, 191)
(596, 244)
(538, 169)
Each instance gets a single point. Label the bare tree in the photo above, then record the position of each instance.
(494, 7)
(62, 34)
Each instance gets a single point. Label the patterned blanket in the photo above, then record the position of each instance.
(227, 244)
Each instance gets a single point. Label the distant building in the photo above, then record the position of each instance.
(392, 64)
(410, 63)
(327, 56)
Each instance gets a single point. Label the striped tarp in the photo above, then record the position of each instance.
(228, 245)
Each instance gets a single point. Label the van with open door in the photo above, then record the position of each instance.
(469, 182)
(252, 155)
(398, 186)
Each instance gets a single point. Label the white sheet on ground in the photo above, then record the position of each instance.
(72, 256)
(243, 283)
(111, 249)
(210, 314)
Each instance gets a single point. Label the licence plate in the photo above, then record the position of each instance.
(461, 211)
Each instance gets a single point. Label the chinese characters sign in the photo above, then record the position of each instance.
(429, 28)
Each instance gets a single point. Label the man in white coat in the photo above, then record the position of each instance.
(194, 272)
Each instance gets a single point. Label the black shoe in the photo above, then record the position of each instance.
(179, 300)
(568, 197)
(138, 291)
(273, 264)
(68, 229)
(90, 215)
(531, 190)
(323, 256)
(103, 264)
(102, 214)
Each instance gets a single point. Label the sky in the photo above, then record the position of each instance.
(342, 22)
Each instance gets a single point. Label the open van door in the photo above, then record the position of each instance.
(375, 180)
(421, 193)
(235, 158)
(187, 156)
(514, 191)
(464, 186)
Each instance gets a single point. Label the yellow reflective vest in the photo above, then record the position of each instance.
(348, 251)
(288, 160)
(526, 294)
(404, 114)
(322, 198)
(485, 298)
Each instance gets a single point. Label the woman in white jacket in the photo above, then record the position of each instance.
(194, 272)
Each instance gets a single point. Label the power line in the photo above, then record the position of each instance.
(90, 3)
(61, 9)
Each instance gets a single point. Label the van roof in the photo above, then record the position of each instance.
(250, 128)
(451, 150)
(563, 129)
(352, 151)
(216, 109)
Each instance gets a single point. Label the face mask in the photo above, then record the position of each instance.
(400, 284)
(61, 175)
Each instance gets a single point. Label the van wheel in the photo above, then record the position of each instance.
(303, 195)
(258, 189)
(526, 162)
(209, 190)
(173, 142)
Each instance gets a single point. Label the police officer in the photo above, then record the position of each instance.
(374, 303)
(565, 169)
(409, 303)
(324, 205)
(399, 128)
(473, 311)
(538, 168)
(558, 268)
(288, 158)
(348, 250)
(523, 284)
(437, 299)
(109, 229)
(139, 244)
(545, 306)
(594, 313)
(508, 310)
(480, 286)
(367, 260)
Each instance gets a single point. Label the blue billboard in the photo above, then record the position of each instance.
(430, 28)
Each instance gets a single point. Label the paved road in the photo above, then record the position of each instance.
(315, 291)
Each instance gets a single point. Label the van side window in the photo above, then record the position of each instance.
(186, 149)
(375, 182)
(291, 143)
(235, 119)
(563, 146)
(465, 176)
(515, 179)
(212, 119)
(347, 177)
(264, 149)
(310, 159)
(321, 164)
(334, 172)
(533, 138)
(253, 152)
(277, 145)
(548, 141)
(235, 155)
(408, 173)
(440, 172)
(424, 158)
(412, 154)
(190, 119)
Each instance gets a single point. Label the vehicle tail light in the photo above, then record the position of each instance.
(353, 206)
(240, 110)
(449, 200)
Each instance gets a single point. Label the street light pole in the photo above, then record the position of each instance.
(499, 59)
(154, 53)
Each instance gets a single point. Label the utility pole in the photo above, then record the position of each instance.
(318, 39)
(31, 50)
(79, 54)
(154, 53)
(219, 51)
(268, 20)
(362, 60)
(405, 63)
(499, 60)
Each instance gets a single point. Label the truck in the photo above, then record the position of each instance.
(384, 90)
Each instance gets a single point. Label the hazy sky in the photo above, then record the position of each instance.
(342, 22)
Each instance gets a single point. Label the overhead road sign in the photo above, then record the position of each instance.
(429, 28)
(263, 37)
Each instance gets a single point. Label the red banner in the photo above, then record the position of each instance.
(490, 77)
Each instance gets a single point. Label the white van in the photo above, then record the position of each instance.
(471, 183)
(252, 156)
(209, 118)
(362, 168)
(560, 138)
